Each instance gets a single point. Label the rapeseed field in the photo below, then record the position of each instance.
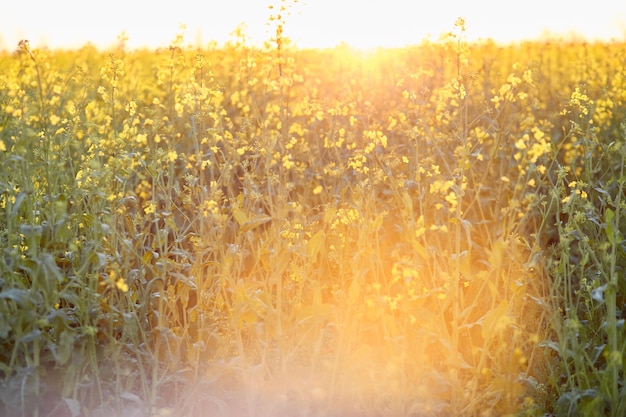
(271, 231)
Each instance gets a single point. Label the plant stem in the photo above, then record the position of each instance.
(611, 296)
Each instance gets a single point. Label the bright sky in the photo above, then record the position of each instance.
(313, 23)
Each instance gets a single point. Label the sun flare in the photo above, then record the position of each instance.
(262, 208)
(310, 24)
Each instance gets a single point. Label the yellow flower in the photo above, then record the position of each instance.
(287, 162)
(121, 285)
(113, 280)
(142, 139)
(209, 207)
(521, 143)
(452, 199)
(131, 108)
(3, 147)
(179, 109)
(150, 208)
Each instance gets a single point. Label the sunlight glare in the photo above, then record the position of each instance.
(310, 24)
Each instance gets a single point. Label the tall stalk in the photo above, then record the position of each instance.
(615, 356)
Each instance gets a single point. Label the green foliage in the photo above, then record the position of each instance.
(586, 265)
(434, 230)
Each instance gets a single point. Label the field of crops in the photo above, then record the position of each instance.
(240, 231)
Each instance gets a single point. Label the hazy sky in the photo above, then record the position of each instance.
(313, 23)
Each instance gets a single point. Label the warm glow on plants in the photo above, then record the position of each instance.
(260, 229)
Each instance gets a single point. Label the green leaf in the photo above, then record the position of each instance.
(50, 268)
(58, 319)
(31, 336)
(551, 345)
(609, 215)
(63, 350)
(16, 206)
(255, 222)
(315, 244)
(597, 294)
(20, 297)
(240, 217)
